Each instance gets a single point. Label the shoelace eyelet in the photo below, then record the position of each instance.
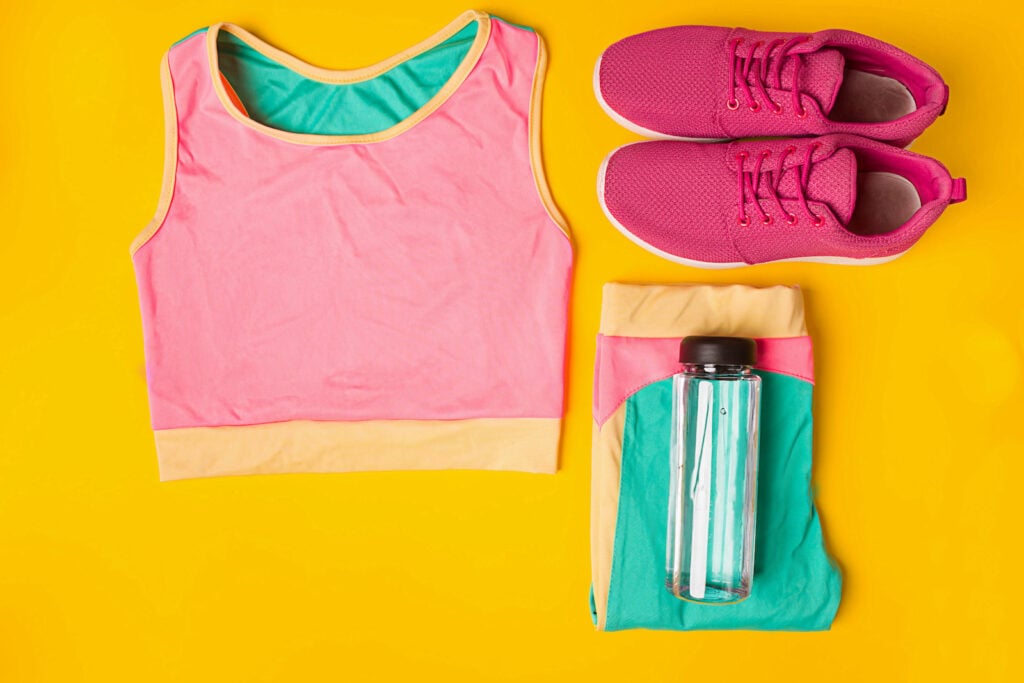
(742, 156)
(791, 219)
(743, 221)
(732, 105)
(790, 149)
(819, 221)
(743, 74)
(767, 220)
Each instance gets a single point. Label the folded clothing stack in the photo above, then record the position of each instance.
(796, 586)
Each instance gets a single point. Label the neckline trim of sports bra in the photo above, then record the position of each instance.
(350, 76)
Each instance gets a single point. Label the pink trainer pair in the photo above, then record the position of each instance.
(847, 193)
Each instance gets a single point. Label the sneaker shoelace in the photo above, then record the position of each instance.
(750, 182)
(741, 66)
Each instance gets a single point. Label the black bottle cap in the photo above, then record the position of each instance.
(718, 351)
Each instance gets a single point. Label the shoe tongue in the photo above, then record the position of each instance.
(833, 181)
(821, 74)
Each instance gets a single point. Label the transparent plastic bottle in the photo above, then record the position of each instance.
(713, 486)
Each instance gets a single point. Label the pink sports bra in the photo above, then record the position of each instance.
(355, 270)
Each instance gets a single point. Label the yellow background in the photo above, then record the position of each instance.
(108, 575)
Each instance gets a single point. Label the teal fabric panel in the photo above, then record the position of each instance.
(796, 586)
(278, 97)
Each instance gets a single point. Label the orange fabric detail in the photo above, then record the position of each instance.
(232, 95)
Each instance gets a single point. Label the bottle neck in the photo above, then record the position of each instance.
(717, 371)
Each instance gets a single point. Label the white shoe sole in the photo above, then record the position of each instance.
(713, 265)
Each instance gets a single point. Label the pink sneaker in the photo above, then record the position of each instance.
(833, 199)
(705, 82)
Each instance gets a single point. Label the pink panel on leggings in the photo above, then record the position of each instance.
(627, 364)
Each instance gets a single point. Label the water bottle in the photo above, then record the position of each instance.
(713, 485)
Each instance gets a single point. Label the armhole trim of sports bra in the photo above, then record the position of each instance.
(170, 158)
(536, 156)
